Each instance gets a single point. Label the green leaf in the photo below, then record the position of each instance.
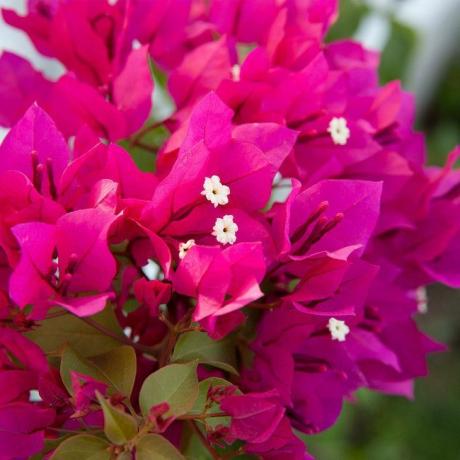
(154, 446)
(52, 444)
(82, 447)
(201, 401)
(119, 427)
(117, 368)
(198, 345)
(177, 384)
(192, 446)
(55, 333)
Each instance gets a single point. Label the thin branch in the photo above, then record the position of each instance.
(57, 314)
(146, 130)
(162, 317)
(203, 416)
(191, 329)
(66, 431)
(122, 339)
(145, 147)
(168, 348)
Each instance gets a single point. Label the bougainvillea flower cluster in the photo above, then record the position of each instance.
(218, 281)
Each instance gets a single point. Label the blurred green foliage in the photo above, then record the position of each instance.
(397, 52)
(442, 120)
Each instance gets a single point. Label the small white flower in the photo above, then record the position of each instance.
(339, 131)
(225, 230)
(422, 300)
(214, 191)
(338, 329)
(236, 70)
(184, 247)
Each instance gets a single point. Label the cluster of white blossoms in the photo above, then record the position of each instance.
(338, 329)
(224, 228)
(217, 193)
(339, 131)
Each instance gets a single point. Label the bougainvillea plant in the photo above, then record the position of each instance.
(212, 283)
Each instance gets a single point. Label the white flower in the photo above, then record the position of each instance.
(422, 300)
(236, 70)
(338, 329)
(214, 191)
(184, 247)
(339, 131)
(225, 230)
